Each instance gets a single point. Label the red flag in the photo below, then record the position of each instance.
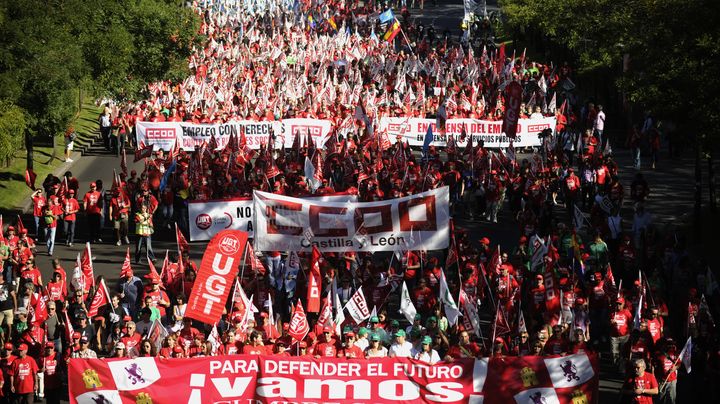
(30, 178)
(255, 264)
(167, 274)
(214, 279)
(69, 330)
(40, 312)
(552, 298)
(101, 298)
(126, 268)
(314, 282)
(501, 324)
(123, 162)
(153, 275)
(87, 267)
(271, 331)
(513, 99)
(299, 326)
(143, 152)
(183, 245)
(20, 226)
(2, 236)
(493, 267)
(325, 318)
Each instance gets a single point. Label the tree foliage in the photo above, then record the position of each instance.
(673, 48)
(49, 48)
(12, 126)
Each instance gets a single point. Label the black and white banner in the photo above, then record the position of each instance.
(416, 222)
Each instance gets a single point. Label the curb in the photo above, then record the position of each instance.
(26, 207)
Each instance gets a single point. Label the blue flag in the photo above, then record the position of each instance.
(166, 177)
(427, 141)
(386, 16)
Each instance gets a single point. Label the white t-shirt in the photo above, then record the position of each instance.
(381, 353)
(430, 358)
(404, 350)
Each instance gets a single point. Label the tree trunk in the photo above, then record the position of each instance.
(54, 149)
(29, 147)
(698, 190)
(711, 182)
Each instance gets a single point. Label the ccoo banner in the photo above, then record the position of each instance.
(207, 218)
(416, 222)
(163, 135)
(216, 276)
(273, 379)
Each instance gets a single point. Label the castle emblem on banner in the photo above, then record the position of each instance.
(529, 378)
(91, 379)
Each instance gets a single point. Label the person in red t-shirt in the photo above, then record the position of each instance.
(51, 214)
(6, 360)
(350, 350)
(255, 347)
(52, 383)
(39, 203)
(131, 339)
(619, 331)
(70, 209)
(23, 376)
(120, 213)
(642, 386)
(92, 205)
(327, 348)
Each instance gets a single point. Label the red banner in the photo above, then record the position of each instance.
(299, 326)
(274, 379)
(513, 99)
(314, 282)
(218, 270)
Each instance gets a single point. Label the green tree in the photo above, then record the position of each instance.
(672, 47)
(12, 127)
(50, 48)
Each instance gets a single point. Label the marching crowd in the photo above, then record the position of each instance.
(587, 277)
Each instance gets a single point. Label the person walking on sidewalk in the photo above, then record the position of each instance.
(70, 136)
(92, 205)
(70, 209)
(144, 230)
(119, 211)
(52, 213)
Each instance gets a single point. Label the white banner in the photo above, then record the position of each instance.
(207, 218)
(416, 222)
(413, 130)
(358, 307)
(164, 134)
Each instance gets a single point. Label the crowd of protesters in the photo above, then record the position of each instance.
(626, 288)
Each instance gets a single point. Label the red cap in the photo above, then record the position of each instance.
(76, 335)
(327, 329)
(9, 345)
(92, 184)
(620, 300)
(177, 349)
(50, 344)
(303, 344)
(485, 241)
(23, 347)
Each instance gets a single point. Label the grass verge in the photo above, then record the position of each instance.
(13, 191)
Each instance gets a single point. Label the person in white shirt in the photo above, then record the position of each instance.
(599, 124)
(641, 221)
(400, 348)
(537, 114)
(426, 353)
(362, 340)
(375, 350)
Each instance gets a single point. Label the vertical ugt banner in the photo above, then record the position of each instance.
(218, 270)
(513, 99)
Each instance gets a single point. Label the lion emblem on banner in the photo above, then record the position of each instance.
(569, 371)
(528, 377)
(91, 379)
(143, 398)
(537, 398)
(134, 373)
